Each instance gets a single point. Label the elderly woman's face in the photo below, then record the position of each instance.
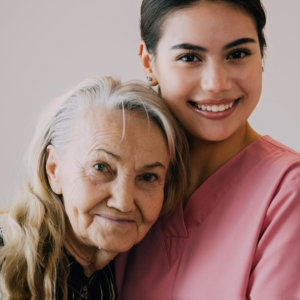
(113, 185)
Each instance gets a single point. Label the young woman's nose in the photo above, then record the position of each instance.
(122, 196)
(215, 78)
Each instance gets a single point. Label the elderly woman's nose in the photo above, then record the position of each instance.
(123, 196)
(215, 78)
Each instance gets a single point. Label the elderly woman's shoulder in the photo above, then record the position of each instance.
(3, 221)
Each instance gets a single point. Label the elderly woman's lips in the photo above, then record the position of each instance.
(118, 220)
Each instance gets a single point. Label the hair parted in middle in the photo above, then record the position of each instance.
(155, 12)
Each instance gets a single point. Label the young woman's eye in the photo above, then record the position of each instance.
(189, 58)
(239, 54)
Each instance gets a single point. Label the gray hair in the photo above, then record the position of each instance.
(35, 235)
(110, 93)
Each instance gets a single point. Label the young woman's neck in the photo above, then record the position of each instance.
(207, 157)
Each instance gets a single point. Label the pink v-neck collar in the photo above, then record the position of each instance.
(199, 207)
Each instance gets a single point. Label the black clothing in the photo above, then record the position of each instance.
(100, 286)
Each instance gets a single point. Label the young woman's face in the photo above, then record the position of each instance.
(113, 185)
(208, 65)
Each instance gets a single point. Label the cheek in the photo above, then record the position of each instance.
(86, 194)
(179, 87)
(79, 200)
(251, 81)
(171, 80)
(150, 211)
(150, 207)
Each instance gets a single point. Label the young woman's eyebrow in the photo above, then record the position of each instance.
(239, 42)
(187, 46)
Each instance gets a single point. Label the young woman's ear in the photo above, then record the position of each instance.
(52, 170)
(145, 58)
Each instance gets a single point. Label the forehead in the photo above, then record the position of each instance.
(204, 18)
(116, 128)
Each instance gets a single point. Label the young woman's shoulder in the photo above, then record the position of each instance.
(279, 148)
(273, 155)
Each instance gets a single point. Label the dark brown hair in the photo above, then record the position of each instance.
(155, 12)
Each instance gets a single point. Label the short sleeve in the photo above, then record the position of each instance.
(276, 269)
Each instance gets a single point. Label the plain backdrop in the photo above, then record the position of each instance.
(47, 47)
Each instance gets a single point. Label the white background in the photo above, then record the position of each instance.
(47, 47)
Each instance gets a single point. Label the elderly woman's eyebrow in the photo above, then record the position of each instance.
(117, 157)
(145, 167)
(154, 165)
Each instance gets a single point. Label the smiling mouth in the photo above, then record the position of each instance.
(214, 107)
(116, 219)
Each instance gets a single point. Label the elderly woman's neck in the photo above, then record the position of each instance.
(89, 257)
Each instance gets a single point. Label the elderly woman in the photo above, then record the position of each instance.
(98, 178)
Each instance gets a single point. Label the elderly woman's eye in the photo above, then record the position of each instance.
(149, 177)
(101, 167)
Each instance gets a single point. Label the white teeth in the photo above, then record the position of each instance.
(215, 108)
(222, 107)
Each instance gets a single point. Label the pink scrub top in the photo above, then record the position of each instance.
(237, 238)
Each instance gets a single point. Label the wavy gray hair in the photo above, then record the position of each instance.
(36, 231)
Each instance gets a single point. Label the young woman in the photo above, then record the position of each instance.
(98, 178)
(237, 234)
